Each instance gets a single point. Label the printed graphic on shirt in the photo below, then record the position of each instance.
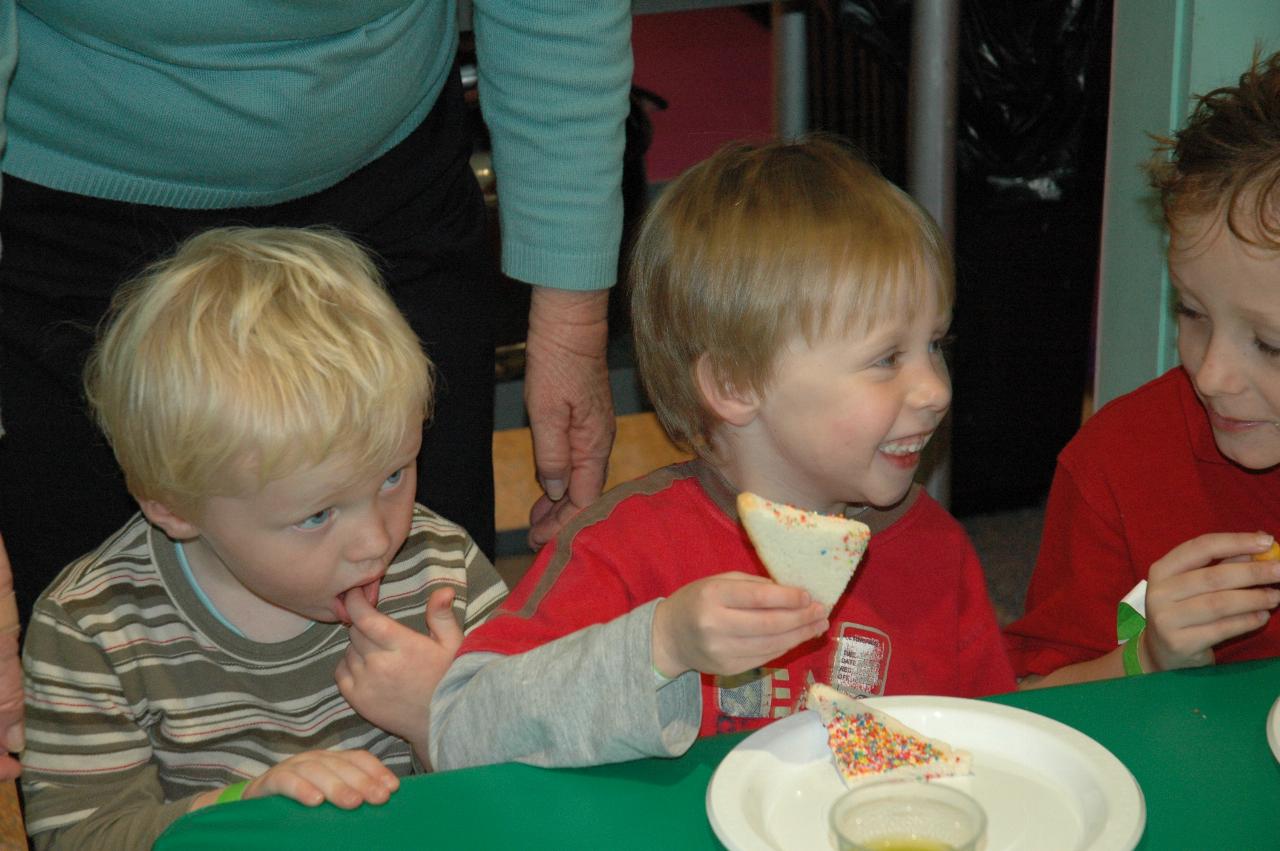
(860, 661)
(747, 695)
(858, 665)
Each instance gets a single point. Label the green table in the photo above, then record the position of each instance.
(1195, 741)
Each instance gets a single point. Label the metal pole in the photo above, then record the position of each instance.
(931, 133)
(931, 169)
(790, 83)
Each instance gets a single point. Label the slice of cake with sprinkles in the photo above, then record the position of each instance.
(813, 551)
(867, 743)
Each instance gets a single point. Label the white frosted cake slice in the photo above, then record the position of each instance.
(813, 551)
(866, 742)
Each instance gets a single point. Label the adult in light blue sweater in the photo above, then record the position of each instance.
(132, 125)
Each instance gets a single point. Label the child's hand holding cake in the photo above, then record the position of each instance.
(730, 623)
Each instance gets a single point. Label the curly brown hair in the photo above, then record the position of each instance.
(1226, 159)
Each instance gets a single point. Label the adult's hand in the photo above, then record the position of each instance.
(566, 391)
(11, 698)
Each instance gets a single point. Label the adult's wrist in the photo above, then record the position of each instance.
(587, 309)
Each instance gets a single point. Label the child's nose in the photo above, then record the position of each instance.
(1218, 373)
(932, 389)
(371, 538)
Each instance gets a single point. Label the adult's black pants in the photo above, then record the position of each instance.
(417, 209)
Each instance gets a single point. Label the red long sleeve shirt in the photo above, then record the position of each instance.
(915, 619)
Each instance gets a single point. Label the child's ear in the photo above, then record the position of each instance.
(168, 520)
(726, 400)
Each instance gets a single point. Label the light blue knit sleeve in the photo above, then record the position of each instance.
(555, 77)
(8, 55)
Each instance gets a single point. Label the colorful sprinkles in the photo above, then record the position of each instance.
(863, 745)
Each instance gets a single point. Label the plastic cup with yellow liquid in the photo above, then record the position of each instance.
(907, 815)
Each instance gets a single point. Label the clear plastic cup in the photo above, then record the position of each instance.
(907, 815)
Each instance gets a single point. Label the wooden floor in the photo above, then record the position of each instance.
(13, 837)
(640, 447)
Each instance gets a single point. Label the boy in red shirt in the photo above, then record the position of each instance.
(789, 306)
(1166, 494)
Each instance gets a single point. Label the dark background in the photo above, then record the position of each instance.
(1031, 147)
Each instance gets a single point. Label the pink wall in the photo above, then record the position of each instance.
(714, 67)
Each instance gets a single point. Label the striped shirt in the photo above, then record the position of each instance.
(138, 697)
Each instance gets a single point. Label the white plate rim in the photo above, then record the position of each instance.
(1119, 836)
(1273, 729)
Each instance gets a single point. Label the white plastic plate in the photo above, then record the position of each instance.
(1043, 784)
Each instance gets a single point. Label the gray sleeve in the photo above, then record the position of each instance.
(585, 699)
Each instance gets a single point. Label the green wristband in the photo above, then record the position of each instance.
(234, 792)
(1132, 664)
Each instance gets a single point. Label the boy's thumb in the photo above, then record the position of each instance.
(441, 622)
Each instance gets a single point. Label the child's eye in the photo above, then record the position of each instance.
(942, 345)
(1266, 348)
(1182, 311)
(393, 479)
(315, 521)
(889, 361)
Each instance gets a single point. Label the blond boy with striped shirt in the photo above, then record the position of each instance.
(275, 619)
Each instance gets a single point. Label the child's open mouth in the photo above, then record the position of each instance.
(370, 592)
(906, 451)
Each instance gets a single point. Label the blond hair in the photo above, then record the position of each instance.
(1226, 160)
(759, 244)
(269, 348)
